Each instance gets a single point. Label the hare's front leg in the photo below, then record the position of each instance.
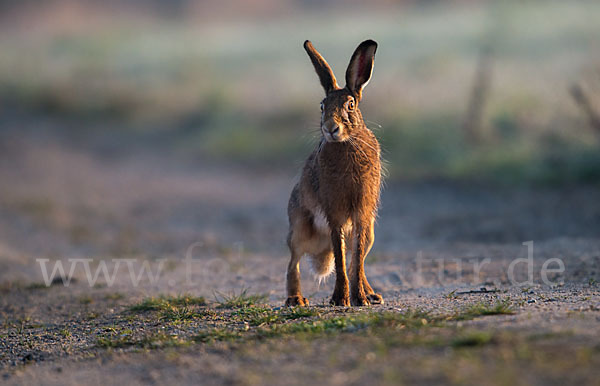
(341, 293)
(358, 295)
(372, 297)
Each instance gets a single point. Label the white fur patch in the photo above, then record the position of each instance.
(320, 221)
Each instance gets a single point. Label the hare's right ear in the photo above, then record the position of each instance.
(322, 68)
(360, 68)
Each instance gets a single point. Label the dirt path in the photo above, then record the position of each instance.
(434, 241)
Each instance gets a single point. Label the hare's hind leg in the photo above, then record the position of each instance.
(294, 291)
(306, 239)
(299, 239)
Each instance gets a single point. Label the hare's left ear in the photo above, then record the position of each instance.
(360, 68)
(322, 68)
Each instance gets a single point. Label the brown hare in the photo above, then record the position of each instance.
(335, 202)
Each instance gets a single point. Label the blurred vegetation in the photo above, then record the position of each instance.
(243, 90)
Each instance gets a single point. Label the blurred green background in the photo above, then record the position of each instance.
(461, 89)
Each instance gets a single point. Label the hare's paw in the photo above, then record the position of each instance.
(340, 300)
(296, 300)
(360, 300)
(375, 298)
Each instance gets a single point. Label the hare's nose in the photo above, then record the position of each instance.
(331, 131)
(334, 131)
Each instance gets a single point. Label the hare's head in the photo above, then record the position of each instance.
(340, 115)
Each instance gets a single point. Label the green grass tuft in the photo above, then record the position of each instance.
(165, 303)
(217, 334)
(180, 314)
(473, 339)
(86, 299)
(114, 296)
(186, 300)
(35, 286)
(243, 299)
(150, 304)
(153, 341)
(502, 307)
(258, 316)
(368, 321)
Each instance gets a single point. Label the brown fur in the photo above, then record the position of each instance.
(334, 204)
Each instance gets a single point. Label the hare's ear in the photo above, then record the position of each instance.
(322, 68)
(360, 68)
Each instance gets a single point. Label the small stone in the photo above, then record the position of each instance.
(531, 301)
(27, 357)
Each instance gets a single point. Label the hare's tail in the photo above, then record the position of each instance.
(323, 265)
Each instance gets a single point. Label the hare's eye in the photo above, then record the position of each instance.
(351, 104)
(322, 106)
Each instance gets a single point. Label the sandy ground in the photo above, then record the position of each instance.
(211, 230)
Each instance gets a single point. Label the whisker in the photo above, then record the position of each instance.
(366, 144)
(311, 133)
(374, 123)
(321, 144)
(312, 136)
(356, 146)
